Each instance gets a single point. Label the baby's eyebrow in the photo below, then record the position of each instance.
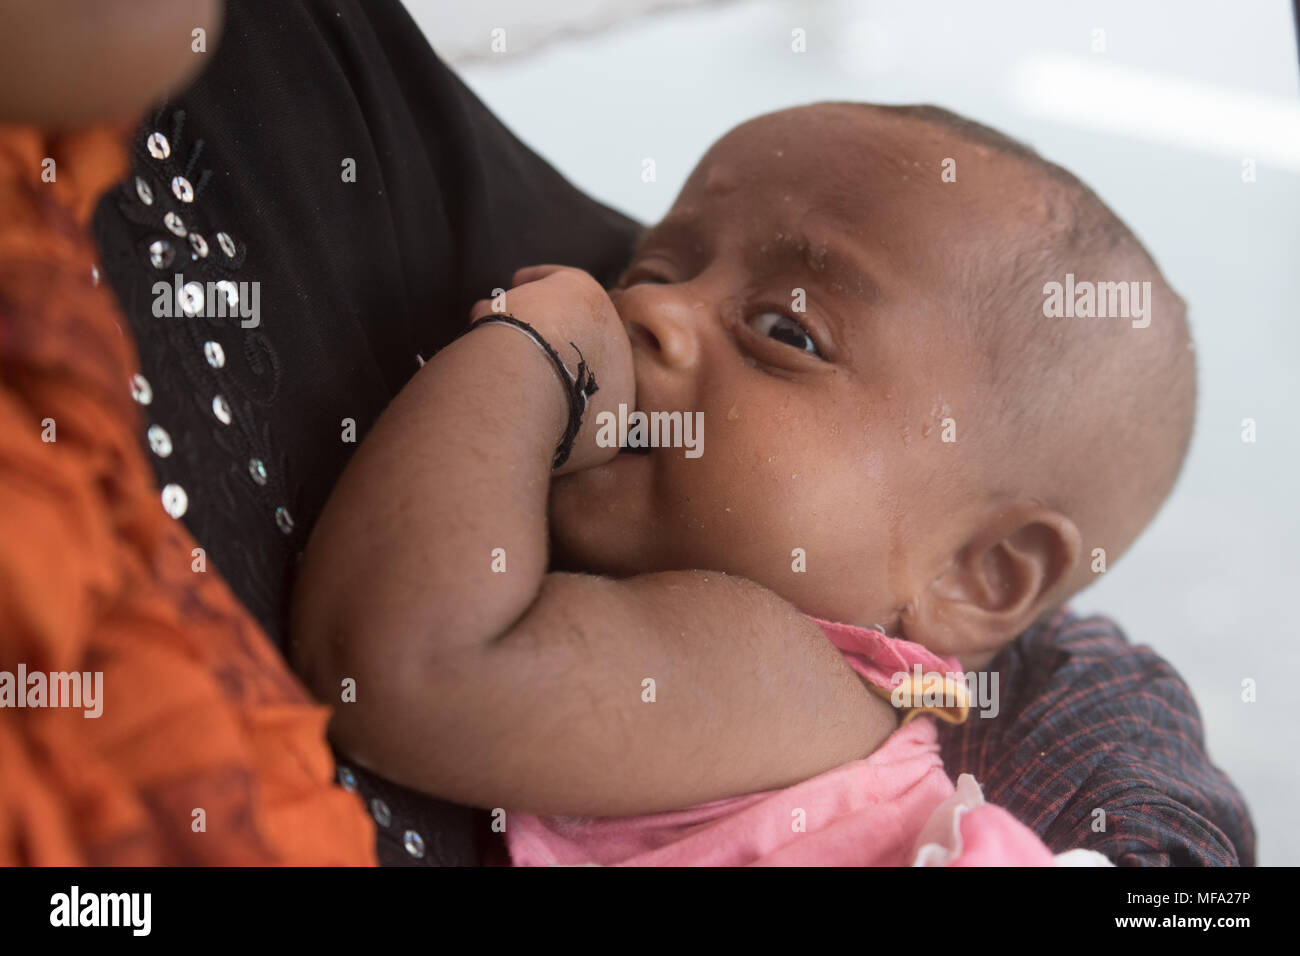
(835, 268)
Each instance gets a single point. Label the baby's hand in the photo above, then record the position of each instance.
(569, 309)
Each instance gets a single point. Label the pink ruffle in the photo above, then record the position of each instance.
(966, 831)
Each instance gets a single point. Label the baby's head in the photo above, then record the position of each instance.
(854, 298)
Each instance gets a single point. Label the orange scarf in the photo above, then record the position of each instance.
(208, 750)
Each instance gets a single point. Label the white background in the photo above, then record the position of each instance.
(1158, 124)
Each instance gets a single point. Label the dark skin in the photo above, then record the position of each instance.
(833, 447)
(525, 689)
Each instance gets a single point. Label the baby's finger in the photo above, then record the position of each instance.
(481, 308)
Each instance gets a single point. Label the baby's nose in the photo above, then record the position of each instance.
(664, 324)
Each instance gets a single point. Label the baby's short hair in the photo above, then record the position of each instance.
(1106, 408)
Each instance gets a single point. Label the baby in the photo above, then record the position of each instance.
(904, 435)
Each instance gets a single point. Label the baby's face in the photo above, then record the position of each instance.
(823, 428)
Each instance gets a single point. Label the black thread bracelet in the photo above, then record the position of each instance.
(578, 388)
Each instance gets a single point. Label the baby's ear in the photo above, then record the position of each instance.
(1000, 581)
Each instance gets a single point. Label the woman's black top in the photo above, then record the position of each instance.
(323, 206)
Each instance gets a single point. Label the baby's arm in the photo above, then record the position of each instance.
(526, 689)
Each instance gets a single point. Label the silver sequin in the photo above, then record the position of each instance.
(199, 245)
(227, 244)
(160, 441)
(175, 501)
(257, 470)
(141, 390)
(347, 780)
(231, 292)
(414, 843)
(182, 189)
(159, 148)
(175, 223)
(94, 275)
(214, 353)
(190, 298)
(161, 253)
(143, 191)
(283, 519)
(379, 810)
(221, 408)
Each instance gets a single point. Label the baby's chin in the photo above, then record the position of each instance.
(597, 522)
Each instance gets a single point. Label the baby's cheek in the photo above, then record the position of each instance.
(839, 543)
(758, 524)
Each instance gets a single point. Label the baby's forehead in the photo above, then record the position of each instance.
(846, 139)
(873, 183)
(855, 163)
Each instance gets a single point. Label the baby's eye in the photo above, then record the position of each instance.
(784, 329)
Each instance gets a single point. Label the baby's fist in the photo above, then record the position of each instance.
(572, 312)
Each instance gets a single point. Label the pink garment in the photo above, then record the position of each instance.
(894, 807)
